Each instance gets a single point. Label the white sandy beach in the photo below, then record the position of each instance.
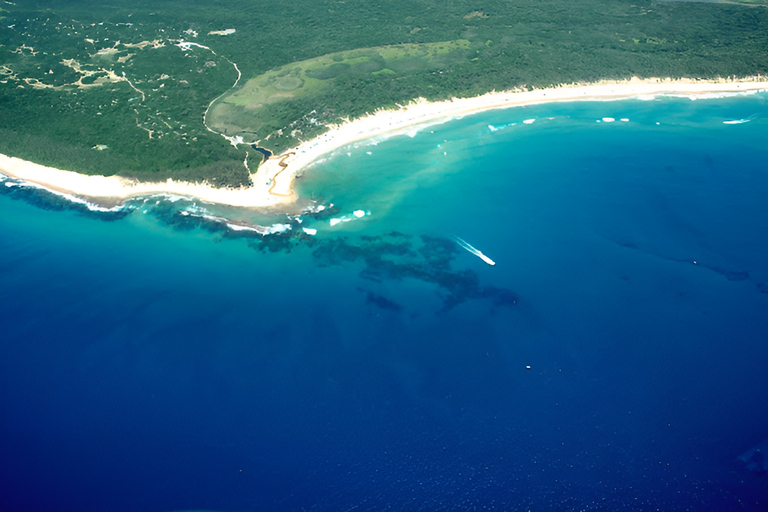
(273, 181)
(114, 189)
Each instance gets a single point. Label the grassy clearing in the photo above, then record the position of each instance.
(242, 112)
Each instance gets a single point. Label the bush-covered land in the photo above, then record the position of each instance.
(115, 89)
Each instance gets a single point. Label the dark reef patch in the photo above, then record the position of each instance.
(730, 275)
(426, 258)
(326, 213)
(381, 301)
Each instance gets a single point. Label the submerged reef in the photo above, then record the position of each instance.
(380, 301)
(729, 274)
(392, 256)
(755, 461)
(47, 200)
(426, 258)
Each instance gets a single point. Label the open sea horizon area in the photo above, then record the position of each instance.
(554, 307)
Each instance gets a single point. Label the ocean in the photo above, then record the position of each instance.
(615, 357)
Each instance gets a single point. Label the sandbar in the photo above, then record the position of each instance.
(273, 180)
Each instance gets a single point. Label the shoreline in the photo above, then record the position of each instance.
(273, 180)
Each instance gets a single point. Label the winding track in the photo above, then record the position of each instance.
(283, 165)
(232, 140)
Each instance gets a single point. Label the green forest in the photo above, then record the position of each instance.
(123, 88)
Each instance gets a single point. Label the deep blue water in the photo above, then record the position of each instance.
(615, 358)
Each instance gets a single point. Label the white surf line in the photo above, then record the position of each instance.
(464, 245)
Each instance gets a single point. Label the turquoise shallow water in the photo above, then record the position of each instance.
(614, 357)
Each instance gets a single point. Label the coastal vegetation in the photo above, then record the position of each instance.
(124, 90)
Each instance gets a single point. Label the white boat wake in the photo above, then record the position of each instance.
(741, 121)
(464, 245)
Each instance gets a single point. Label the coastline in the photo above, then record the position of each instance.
(273, 180)
(115, 189)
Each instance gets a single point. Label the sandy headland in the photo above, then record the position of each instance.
(273, 181)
